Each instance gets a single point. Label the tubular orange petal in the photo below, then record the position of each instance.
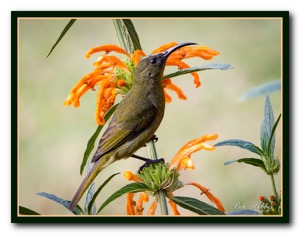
(191, 147)
(82, 90)
(164, 47)
(152, 208)
(202, 139)
(117, 62)
(196, 79)
(174, 207)
(146, 197)
(168, 98)
(139, 207)
(130, 204)
(176, 62)
(199, 51)
(68, 101)
(185, 163)
(136, 57)
(177, 90)
(181, 65)
(202, 54)
(177, 55)
(96, 78)
(86, 83)
(209, 195)
(111, 99)
(106, 48)
(121, 83)
(130, 176)
(167, 81)
(100, 103)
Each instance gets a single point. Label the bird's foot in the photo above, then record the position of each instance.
(147, 161)
(151, 161)
(154, 138)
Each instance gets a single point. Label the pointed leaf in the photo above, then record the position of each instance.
(251, 161)
(63, 33)
(229, 162)
(91, 204)
(243, 212)
(77, 210)
(89, 196)
(242, 144)
(270, 149)
(261, 90)
(25, 211)
(129, 188)
(266, 128)
(127, 35)
(91, 142)
(219, 66)
(195, 205)
(134, 38)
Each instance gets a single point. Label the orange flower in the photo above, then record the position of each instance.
(174, 207)
(130, 204)
(136, 208)
(130, 176)
(182, 160)
(152, 208)
(132, 207)
(114, 76)
(183, 157)
(209, 195)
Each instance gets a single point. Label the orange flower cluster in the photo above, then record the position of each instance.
(182, 160)
(114, 75)
(136, 208)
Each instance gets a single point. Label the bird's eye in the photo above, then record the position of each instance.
(153, 61)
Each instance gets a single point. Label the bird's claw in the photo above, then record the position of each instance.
(151, 161)
(154, 138)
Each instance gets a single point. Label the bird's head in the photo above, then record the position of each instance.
(153, 65)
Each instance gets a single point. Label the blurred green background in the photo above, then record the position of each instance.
(52, 138)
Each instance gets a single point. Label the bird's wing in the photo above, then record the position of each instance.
(122, 130)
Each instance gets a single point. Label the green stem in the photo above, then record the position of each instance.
(274, 187)
(162, 202)
(161, 193)
(120, 36)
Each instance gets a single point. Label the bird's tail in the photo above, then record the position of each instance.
(97, 168)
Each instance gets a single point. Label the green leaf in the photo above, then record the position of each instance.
(219, 66)
(90, 194)
(195, 205)
(266, 128)
(129, 188)
(77, 210)
(251, 161)
(63, 33)
(25, 211)
(134, 38)
(243, 212)
(271, 137)
(261, 90)
(91, 204)
(242, 144)
(91, 142)
(127, 35)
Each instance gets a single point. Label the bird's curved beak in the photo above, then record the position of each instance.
(171, 50)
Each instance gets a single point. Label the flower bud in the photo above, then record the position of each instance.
(158, 177)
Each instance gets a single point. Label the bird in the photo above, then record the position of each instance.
(135, 120)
